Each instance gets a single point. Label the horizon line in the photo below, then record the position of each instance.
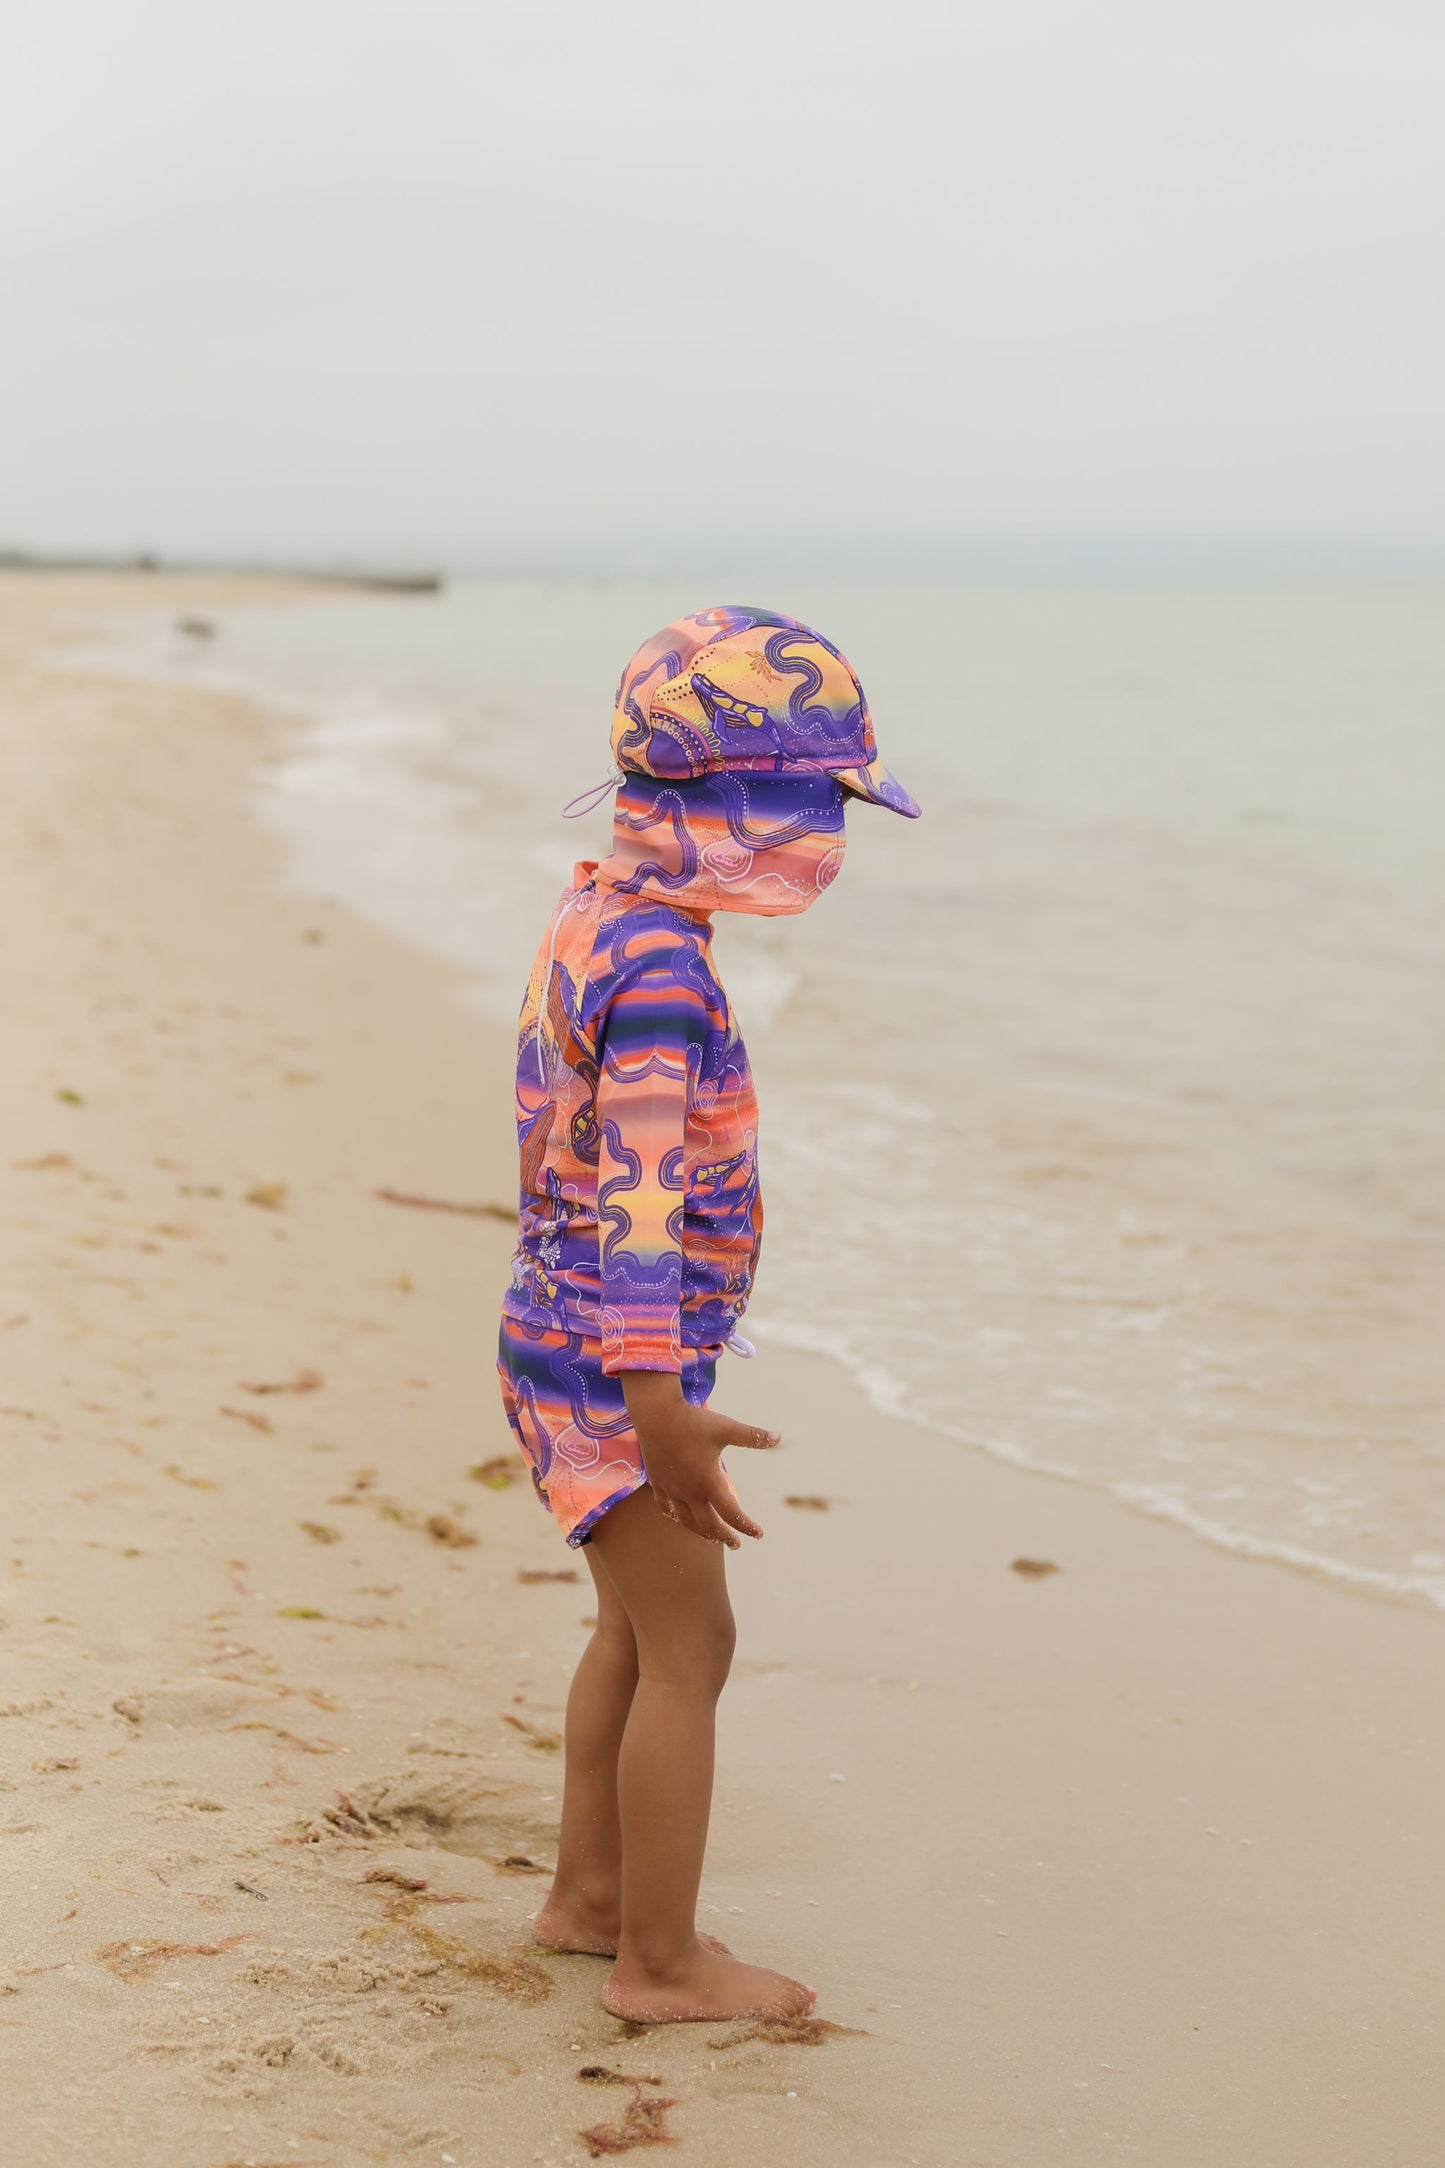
(868, 552)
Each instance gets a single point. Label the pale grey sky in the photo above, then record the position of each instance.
(328, 274)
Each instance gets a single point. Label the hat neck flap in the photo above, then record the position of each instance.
(765, 845)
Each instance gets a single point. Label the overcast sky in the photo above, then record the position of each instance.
(327, 274)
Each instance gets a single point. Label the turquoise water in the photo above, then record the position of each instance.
(1103, 1125)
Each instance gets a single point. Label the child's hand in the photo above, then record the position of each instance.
(681, 1450)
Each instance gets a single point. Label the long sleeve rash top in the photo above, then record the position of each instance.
(640, 1217)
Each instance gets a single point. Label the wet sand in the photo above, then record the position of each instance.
(1134, 1859)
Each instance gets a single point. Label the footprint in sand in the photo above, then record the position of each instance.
(455, 1810)
(208, 1707)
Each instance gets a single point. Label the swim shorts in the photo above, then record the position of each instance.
(572, 1424)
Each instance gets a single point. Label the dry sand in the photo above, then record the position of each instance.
(1134, 1860)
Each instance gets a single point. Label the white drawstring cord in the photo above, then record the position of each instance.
(737, 1345)
(585, 800)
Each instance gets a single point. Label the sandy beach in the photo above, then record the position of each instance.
(1132, 1858)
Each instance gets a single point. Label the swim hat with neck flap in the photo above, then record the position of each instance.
(737, 736)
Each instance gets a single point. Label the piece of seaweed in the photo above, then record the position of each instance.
(643, 2122)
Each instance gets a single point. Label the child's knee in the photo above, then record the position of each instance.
(722, 1640)
(615, 1641)
(699, 1659)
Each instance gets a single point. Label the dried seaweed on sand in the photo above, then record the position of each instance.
(250, 1416)
(288, 1738)
(443, 1528)
(644, 2121)
(505, 1212)
(346, 1819)
(546, 1742)
(305, 1381)
(500, 1472)
(193, 1482)
(132, 1961)
(516, 1975)
(395, 1877)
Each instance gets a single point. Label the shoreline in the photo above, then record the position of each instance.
(1110, 1871)
(1419, 1592)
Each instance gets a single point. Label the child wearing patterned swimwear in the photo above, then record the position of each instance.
(737, 737)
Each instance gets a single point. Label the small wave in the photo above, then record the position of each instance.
(887, 1393)
(1162, 1505)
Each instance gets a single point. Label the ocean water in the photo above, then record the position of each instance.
(1103, 1117)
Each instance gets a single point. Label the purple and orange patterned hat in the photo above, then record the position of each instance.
(737, 690)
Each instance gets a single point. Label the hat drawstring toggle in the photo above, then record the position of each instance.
(586, 800)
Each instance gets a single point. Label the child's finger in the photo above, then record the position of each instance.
(696, 1513)
(708, 1521)
(688, 1513)
(755, 1438)
(725, 1505)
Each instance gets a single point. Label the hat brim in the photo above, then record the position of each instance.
(880, 788)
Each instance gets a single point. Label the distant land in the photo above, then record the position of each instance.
(865, 554)
(405, 581)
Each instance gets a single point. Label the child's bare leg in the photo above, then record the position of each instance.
(584, 1906)
(674, 1591)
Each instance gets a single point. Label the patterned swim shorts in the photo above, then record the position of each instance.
(572, 1424)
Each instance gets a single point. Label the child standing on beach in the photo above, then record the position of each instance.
(737, 736)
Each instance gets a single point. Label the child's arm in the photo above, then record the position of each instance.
(648, 1053)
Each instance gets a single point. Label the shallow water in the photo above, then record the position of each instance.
(1103, 1125)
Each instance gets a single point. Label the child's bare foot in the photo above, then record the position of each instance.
(704, 1983)
(572, 1924)
(578, 1929)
